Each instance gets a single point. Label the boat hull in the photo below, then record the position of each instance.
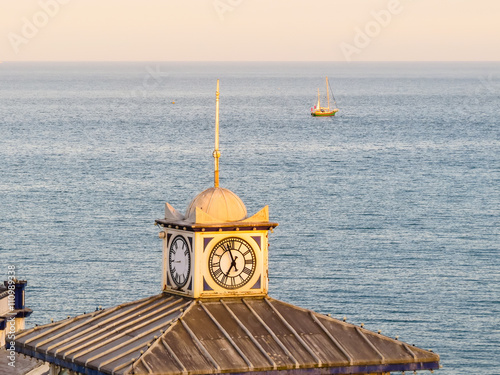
(323, 114)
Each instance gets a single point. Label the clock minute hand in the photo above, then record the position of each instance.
(233, 259)
(230, 254)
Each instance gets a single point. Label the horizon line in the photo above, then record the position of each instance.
(251, 61)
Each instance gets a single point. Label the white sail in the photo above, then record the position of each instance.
(327, 94)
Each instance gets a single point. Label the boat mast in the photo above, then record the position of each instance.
(216, 153)
(327, 94)
(318, 105)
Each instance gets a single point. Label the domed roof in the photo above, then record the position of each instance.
(220, 203)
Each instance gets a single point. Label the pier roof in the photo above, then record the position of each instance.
(168, 334)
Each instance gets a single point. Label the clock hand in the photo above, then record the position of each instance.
(228, 248)
(233, 263)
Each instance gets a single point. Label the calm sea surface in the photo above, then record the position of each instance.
(389, 213)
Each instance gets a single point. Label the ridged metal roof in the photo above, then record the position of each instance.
(168, 334)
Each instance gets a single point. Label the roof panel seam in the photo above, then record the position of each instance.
(410, 351)
(294, 332)
(224, 332)
(131, 323)
(199, 345)
(172, 324)
(42, 334)
(123, 365)
(225, 200)
(150, 371)
(100, 328)
(114, 338)
(333, 339)
(370, 344)
(174, 356)
(111, 318)
(255, 342)
(121, 355)
(125, 343)
(273, 335)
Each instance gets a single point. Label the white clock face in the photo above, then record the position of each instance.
(179, 261)
(232, 263)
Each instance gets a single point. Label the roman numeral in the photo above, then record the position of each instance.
(247, 270)
(248, 261)
(217, 273)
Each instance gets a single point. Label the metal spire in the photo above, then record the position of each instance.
(216, 152)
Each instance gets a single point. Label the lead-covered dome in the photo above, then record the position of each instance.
(219, 203)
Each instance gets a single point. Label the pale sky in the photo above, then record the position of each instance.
(249, 30)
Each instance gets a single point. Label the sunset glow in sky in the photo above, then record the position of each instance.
(249, 30)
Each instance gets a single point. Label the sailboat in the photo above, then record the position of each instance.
(318, 110)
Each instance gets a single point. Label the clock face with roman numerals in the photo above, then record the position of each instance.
(232, 263)
(179, 261)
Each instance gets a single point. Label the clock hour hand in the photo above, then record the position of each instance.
(233, 264)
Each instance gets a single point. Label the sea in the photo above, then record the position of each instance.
(389, 212)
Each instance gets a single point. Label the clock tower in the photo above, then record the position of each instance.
(215, 249)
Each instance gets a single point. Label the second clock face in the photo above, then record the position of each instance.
(232, 263)
(179, 261)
